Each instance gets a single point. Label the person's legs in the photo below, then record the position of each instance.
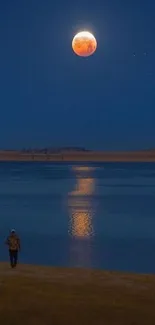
(15, 258)
(11, 258)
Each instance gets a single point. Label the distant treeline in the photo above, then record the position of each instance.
(53, 150)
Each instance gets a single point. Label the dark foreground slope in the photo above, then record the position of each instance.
(46, 296)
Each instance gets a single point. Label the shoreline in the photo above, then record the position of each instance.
(72, 273)
(139, 156)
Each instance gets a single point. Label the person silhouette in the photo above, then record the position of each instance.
(13, 243)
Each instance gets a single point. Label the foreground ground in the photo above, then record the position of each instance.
(46, 296)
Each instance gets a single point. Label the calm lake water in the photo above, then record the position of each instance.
(82, 215)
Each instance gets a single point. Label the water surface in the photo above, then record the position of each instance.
(82, 215)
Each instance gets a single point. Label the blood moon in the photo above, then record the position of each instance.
(84, 44)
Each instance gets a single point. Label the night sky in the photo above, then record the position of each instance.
(51, 97)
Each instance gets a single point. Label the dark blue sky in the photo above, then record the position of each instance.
(51, 97)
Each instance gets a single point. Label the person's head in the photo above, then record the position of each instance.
(13, 232)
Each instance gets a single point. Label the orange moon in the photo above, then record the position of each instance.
(84, 44)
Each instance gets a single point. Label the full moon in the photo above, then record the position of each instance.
(84, 44)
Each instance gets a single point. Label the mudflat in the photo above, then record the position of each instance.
(46, 295)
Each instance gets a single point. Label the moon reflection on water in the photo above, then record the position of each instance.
(81, 213)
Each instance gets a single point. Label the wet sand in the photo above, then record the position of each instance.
(46, 295)
(80, 275)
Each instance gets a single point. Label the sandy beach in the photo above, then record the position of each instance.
(91, 156)
(45, 295)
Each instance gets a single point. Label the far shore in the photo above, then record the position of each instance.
(90, 156)
(50, 295)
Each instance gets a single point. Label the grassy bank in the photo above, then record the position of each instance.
(46, 296)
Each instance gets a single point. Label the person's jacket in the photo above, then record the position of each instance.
(13, 242)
